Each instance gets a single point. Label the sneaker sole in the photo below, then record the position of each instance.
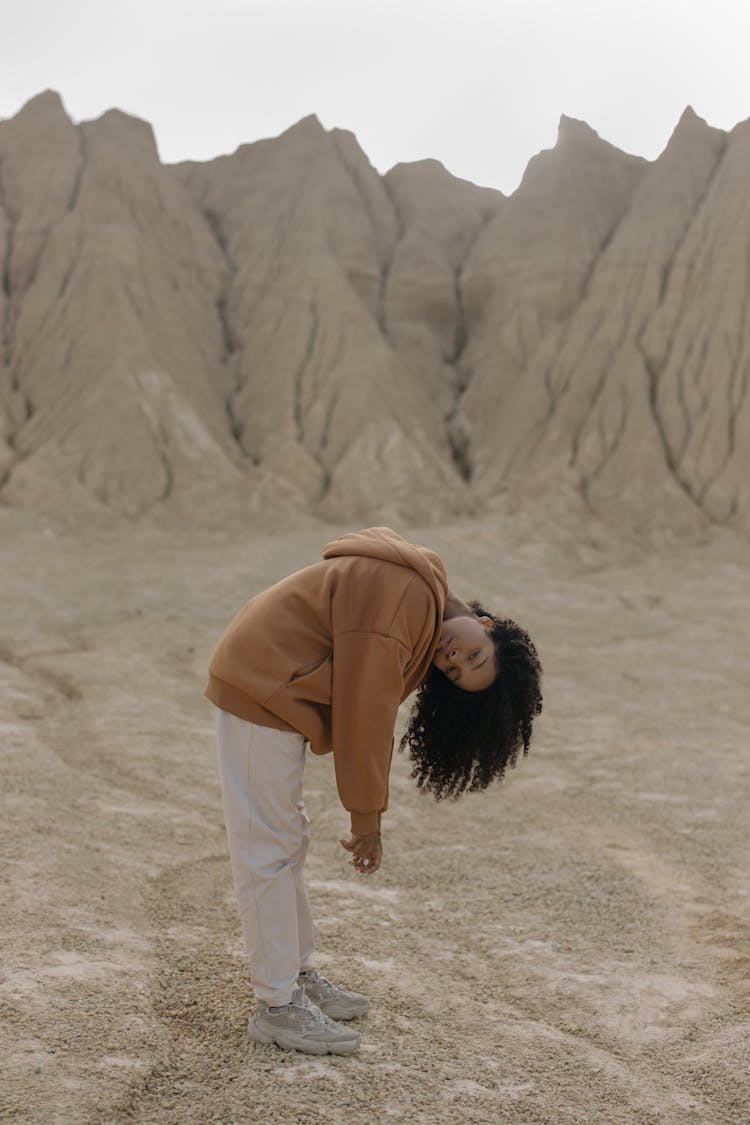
(348, 1012)
(296, 1043)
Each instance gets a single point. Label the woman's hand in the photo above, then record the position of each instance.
(367, 852)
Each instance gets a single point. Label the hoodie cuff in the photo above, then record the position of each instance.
(365, 823)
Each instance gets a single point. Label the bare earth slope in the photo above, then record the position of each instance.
(113, 382)
(284, 329)
(630, 390)
(568, 947)
(320, 397)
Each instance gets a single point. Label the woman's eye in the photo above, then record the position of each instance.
(474, 655)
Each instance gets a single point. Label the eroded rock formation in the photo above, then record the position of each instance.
(286, 331)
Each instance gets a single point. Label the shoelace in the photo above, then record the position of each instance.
(314, 977)
(310, 1014)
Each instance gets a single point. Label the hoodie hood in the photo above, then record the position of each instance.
(385, 544)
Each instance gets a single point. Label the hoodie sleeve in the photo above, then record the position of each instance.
(368, 685)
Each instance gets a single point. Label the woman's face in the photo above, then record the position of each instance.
(465, 652)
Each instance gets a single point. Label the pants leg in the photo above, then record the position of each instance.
(305, 932)
(268, 833)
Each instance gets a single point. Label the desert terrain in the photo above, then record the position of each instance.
(209, 369)
(570, 946)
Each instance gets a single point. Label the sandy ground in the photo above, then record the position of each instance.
(572, 946)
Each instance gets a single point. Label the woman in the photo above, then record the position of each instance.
(325, 657)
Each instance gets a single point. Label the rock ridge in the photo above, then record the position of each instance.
(286, 333)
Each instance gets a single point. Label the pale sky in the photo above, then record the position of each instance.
(477, 84)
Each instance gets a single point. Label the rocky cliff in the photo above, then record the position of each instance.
(286, 331)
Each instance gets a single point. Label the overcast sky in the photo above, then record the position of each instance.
(477, 84)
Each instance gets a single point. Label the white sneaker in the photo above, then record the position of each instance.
(301, 1026)
(338, 1003)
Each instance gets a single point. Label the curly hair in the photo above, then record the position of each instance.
(461, 740)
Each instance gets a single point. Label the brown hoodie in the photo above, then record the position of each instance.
(332, 651)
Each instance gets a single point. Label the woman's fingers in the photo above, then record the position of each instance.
(365, 869)
(367, 853)
(366, 862)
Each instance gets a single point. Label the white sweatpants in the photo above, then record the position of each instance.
(268, 832)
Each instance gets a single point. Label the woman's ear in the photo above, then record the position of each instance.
(488, 623)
